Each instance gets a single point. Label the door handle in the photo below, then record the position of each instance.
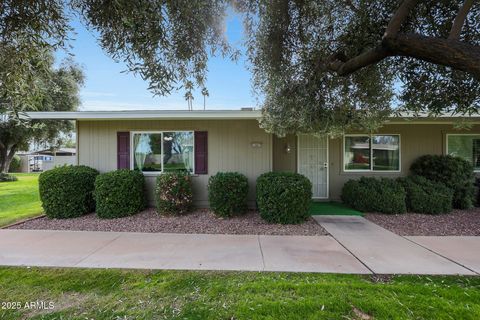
(325, 164)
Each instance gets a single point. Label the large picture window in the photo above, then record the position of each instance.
(372, 153)
(163, 151)
(466, 146)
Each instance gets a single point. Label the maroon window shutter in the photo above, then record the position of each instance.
(201, 152)
(123, 150)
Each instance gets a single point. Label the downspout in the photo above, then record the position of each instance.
(77, 146)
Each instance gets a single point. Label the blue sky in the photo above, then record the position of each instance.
(107, 88)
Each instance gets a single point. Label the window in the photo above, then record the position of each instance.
(372, 153)
(357, 153)
(162, 151)
(466, 146)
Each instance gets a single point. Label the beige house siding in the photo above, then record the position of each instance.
(415, 140)
(283, 161)
(229, 148)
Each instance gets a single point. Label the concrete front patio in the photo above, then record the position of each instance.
(356, 246)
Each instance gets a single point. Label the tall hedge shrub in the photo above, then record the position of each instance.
(455, 173)
(173, 193)
(426, 196)
(227, 193)
(375, 195)
(119, 193)
(283, 197)
(67, 191)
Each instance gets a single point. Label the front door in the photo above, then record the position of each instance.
(313, 163)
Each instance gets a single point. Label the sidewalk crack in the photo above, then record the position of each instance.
(96, 250)
(441, 255)
(364, 264)
(261, 252)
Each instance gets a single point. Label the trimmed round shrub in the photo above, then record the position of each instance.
(227, 193)
(283, 197)
(455, 173)
(67, 191)
(426, 196)
(5, 177)
(119, 193)
(375, 195)
(15, 164)
(173, 193)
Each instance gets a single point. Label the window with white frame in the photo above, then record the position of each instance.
(465, 146)
(162, 151)
(380, 152)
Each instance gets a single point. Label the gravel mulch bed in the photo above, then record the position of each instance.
(200, 221)
(457, 223)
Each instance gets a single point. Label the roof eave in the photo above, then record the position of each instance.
(144, 115)
(211, 115)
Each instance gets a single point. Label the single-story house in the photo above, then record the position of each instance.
(206, 142)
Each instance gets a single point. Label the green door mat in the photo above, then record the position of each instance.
(332, 208)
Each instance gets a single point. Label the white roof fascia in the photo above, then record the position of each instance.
(141, 115)
(212, 115)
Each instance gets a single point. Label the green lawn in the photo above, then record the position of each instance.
(19, 199)
(116, 294)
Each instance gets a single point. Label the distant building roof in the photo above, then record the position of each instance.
(61, 151)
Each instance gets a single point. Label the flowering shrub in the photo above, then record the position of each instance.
(173, 193)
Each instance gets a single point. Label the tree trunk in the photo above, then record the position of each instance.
(451, 53)
(460, 20)
(6, 157)
(3, 157)
(370, 57)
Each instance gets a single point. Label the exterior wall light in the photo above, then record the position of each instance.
(288, 148)
(256, 144)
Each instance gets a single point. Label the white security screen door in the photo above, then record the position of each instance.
(313, 163)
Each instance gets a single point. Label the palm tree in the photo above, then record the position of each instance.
(205, 95)
(189, 95)
(189, 98)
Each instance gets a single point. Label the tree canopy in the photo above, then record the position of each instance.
(329, 66)
(320, 66)
(56, 90)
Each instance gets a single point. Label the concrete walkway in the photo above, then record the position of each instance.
(382, 251)
(175, 251)
(463, 250)
(356, 246)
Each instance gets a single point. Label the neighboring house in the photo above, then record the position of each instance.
(206, 142)
(47, 159)
(63, 152)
